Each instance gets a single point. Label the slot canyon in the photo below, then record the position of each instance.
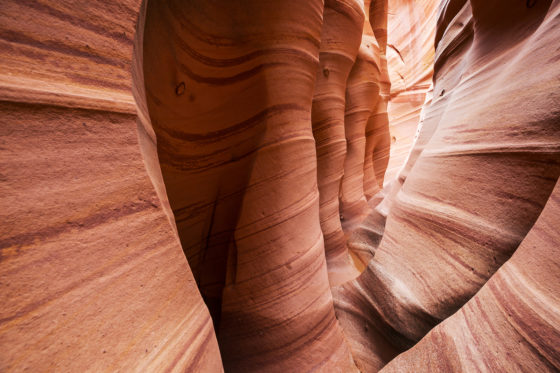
(280, 186)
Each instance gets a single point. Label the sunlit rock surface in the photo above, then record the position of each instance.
(411, 29)
(512, 324)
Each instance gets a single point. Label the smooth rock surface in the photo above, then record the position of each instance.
(230, 89)
(92, 275)
(411, 30)
(141, 141)
(445, 236)
(362, 94)
(512, 323)
(341, 36)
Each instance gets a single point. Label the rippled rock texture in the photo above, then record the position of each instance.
(482, 169)
(198, 186)
(231, 105)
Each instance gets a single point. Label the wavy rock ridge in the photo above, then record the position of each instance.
(341, 36)
(198, 186)
(445, 237)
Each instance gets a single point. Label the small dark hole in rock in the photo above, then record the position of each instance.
(326, 72)
(180, 89)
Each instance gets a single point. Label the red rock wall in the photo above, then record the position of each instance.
(340, 40)
(474, 185)
(143, 141)
(229, 91)
(512, 323)
(366, 120)
(362, 94)
(92, 275)
(378, 139)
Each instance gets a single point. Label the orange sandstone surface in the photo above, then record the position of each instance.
(280, 186)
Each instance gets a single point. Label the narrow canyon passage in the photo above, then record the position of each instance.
(238, 160)
(280, 186)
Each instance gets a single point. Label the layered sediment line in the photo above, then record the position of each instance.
(511, 323)
(201, 186)
(362, 94)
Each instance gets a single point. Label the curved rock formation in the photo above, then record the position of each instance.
(137, 134)
(378, 139)
(368, 135)
(92, 275)
(362, 94)
(446, 236)
(229, 89)
(377, 147)
(378, 143)
(512, 323)
(340, 40)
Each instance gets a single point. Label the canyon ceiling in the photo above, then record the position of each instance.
(280, 185)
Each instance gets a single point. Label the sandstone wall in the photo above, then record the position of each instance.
(198, 186)
(341, 35)
(92, 274)
(484, 165)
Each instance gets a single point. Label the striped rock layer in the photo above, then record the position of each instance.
(362, 95)
(378, 139)
(365, 175)
(483, 167)
(92, 274)
(512, 324)
(366, 123)
(172, 174)
(341, 35)
(229, 89)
